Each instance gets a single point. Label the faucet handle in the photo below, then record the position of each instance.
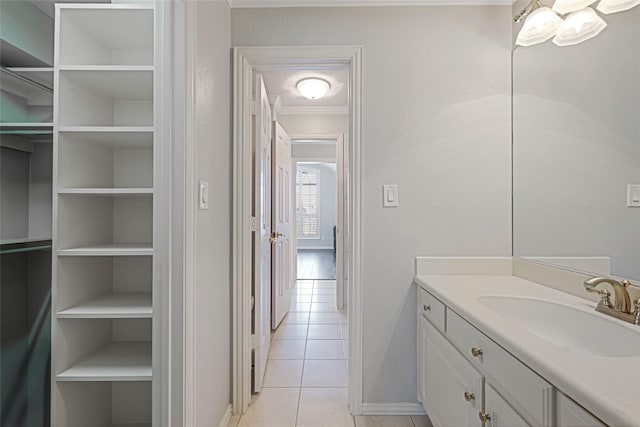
(636, 312)
(605, 296)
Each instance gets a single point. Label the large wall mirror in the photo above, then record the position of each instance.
(576, 148)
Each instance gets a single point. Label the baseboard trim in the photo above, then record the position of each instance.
(226, 418)
(392, 409)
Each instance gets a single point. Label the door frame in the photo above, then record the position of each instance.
(244, 59)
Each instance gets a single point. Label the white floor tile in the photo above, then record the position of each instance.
(324, 373)
(421, 421)
(384, 421)
(324, 407)
(302, 292)
(296, 318)
(302, 298)
(324, 291)
(324, 349)
(323, 307)
(287, 349)
(324, 284)
(291, 332)
(233, 421)
(345, 346)
(300, 307)
(324, 332)
(324, 319)
(274, 407)
(324, 298)
(344, 329)
(283, 373)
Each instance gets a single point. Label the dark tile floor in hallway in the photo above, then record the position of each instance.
(316, 264)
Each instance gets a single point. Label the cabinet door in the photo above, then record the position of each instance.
(570, 414)
(499, 412)
(452, 388)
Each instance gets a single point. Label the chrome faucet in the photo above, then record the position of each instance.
(621, 307)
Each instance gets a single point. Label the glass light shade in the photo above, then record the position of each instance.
(567, 6)
(540, 26)
(613, 6)
(313, 88)
(579, 26)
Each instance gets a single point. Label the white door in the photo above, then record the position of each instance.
(281, 225)
(262, 234)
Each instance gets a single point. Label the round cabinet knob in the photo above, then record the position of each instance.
(426, 307)
(476, 352)
(484, 417)
(469, 396)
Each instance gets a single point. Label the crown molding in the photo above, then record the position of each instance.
(363, 3)
(312, 110)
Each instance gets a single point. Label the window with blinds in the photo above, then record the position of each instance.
(307, 201)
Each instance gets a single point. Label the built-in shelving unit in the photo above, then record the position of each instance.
(103, 215)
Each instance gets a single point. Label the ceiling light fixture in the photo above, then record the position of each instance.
(313, 87)
(540, 25)
(614, 6)
(579, 26)
(567, 6)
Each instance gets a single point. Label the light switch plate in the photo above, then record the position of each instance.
(203, 194)
(633, 195)
(390, 195)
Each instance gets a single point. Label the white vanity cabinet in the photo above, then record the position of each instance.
(466, 379)
(455, 390)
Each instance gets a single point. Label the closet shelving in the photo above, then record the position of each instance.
(104, 215)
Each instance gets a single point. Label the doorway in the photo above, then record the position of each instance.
(247, 61)
(316, 219)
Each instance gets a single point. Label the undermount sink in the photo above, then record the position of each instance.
(567, 327)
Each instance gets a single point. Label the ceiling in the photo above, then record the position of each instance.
(281, 84)
(362, 3)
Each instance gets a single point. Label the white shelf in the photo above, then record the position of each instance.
(107, 191)
(36, 88)
(25, 240)
(42, 75)
(26, 126)
(115, 249)
(106, 68)
(120, 305)
(106, 129)
(119, 361)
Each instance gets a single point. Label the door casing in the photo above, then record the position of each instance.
(245, 59)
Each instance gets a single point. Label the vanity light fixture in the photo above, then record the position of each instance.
(567, 6)
(313, 87)
(579, 26)
(540, 25)
(614, 6)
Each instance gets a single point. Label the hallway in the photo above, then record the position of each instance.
(316, 264)
(305, 382)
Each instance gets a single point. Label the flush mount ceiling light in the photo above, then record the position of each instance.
(614, 6)
(541, 24)
(313, 87)
(567, 6)
(579, 26)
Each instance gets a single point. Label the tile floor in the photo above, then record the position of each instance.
(305, 384)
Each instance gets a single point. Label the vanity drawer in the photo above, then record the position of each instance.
(432, 309)
(531, 395)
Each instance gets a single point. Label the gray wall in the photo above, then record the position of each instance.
(577, 146)
(213, 231)
(436, 121)
(327, 214)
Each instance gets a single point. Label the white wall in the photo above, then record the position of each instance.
(303, 124)
(213, 231)
(327, 212)
(577, 146)
(436, 121)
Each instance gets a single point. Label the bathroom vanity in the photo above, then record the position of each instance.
(496, 349)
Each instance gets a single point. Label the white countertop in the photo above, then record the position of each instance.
(609, 387)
